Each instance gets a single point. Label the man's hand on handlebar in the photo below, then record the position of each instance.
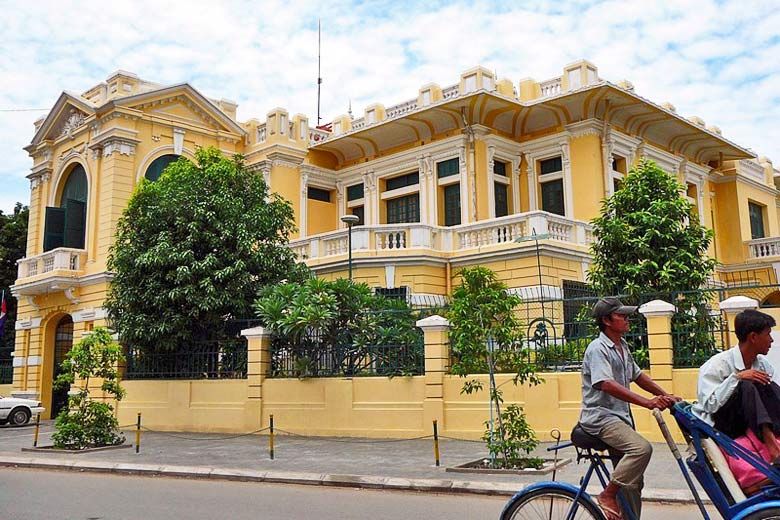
(662, 402)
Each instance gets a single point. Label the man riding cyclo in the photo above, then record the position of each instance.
(608, 369)
(736, 395)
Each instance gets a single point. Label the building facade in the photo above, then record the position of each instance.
(450, 178)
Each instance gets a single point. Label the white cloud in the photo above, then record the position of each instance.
(717, 60)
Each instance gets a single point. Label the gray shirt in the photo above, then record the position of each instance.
(602, 362)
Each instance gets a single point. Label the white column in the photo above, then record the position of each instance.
(340, 202)
(433, 189)
(606, 153)
(422, 173)
(491, 152)
(568, 196)
(515, 173)
(304, 205)
(530, 168)
(464, 185)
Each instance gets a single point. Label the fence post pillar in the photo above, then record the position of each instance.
(258, 365)
(659, 338)
(437, 364)
(733, 306)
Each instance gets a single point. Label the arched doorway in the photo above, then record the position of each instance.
(63, 342)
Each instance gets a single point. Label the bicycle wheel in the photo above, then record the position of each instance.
(773, 513)
(551, 504)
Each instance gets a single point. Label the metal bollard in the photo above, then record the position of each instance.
(436, 441)
(271, 437)
(37, 427)
(138, 433)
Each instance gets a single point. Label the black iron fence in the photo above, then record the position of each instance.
(345, 355)
(222, 359)
(6, 365)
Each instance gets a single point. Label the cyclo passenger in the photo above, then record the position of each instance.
(608, 369)
(737, 396)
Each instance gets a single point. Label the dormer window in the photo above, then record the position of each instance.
(470, 83)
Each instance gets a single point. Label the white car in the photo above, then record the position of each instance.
(18, 411)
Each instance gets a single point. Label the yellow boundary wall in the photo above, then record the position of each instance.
(399, 407)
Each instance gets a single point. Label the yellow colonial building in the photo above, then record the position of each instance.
(451, 177)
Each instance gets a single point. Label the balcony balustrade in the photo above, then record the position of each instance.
(60, 259)
(764, 248)
(391, 238)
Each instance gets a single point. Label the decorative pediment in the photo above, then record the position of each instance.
(182, 103)
(67, 116)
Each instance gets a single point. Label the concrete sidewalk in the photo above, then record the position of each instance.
(374, 463)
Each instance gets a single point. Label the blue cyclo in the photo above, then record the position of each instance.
(558, 500)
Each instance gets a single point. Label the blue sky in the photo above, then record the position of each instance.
(714, 59)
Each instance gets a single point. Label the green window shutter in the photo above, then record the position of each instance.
(54, 229)
(502, 206)
(75, 223)
(552, 197)
(448, 167)
(452, 205)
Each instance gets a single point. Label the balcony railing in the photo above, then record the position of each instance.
(399, 237)
(764, 247)
(60, 259)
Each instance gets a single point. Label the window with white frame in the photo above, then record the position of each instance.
(551, 184)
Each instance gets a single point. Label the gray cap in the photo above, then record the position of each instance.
(606, 306)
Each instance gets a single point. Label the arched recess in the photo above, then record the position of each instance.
(157, 154)
(66, 218)
(57, 341)
(771, 300)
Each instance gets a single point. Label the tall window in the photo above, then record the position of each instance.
(360, 213)
(452, 205)
(155, 169)
(65, 226)
(756, 212)
(404, 209)
(551, 180)
(502, 206)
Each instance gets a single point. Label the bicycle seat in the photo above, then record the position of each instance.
(585, 441)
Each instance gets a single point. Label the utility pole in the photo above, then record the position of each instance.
(319, 72)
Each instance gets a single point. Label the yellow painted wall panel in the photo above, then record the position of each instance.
(321, 216)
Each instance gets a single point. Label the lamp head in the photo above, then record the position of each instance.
(350, 219)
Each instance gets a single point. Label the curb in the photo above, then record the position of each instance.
(310, 479)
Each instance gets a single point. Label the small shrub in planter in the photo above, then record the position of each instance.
(87, 423)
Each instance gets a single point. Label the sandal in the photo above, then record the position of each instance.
(609, 512)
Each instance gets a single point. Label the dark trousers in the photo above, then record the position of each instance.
(752, 405)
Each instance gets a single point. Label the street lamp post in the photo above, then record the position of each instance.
(350, 220)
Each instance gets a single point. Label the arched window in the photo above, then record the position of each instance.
(155, 169)
(66, 225)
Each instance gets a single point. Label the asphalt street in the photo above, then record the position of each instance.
(48, 495)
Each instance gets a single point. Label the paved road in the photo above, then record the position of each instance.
(38, 495)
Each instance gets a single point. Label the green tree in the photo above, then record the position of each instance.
(193, 249)
(648, 240)
(485, 336)
(87, 423)
(13, 245)
(346, 318)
